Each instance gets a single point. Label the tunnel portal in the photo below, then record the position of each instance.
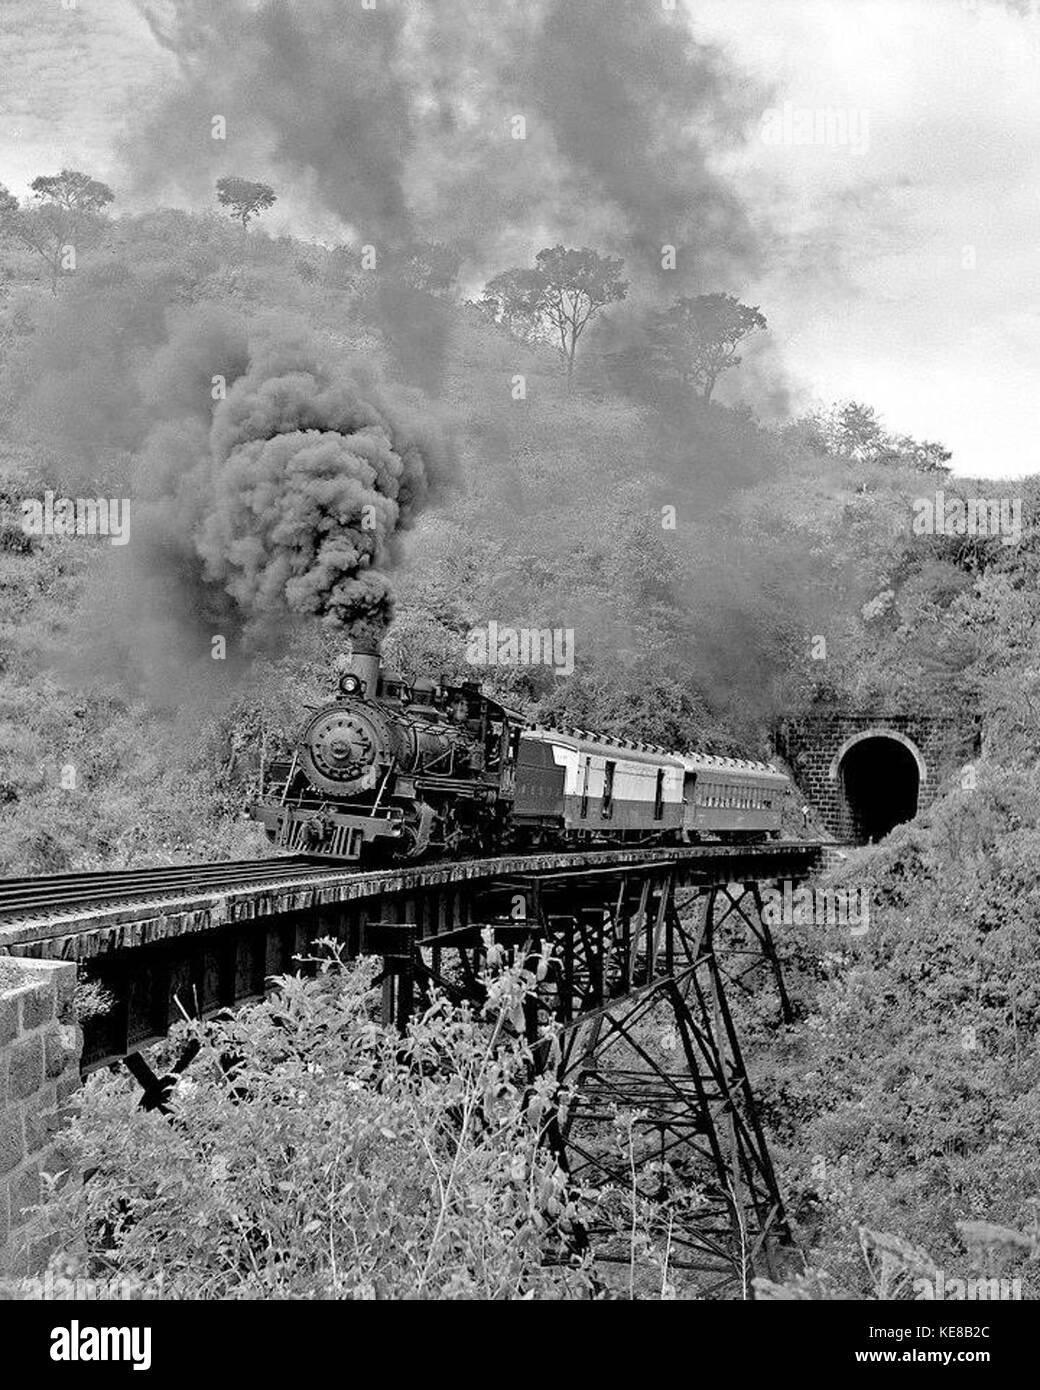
(865, 772)
(880, 781)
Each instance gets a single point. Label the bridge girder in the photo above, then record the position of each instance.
(632, 1015)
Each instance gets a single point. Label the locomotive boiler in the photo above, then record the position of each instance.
(401, 770)
(401, 767)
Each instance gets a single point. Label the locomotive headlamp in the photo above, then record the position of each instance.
(349, 683)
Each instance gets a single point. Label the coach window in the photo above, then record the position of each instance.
(608, 790)
(586, 766)
(659, 795)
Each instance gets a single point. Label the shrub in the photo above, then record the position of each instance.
(311, 1152)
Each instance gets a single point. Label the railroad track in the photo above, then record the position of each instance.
(19, 896)
(62, 894)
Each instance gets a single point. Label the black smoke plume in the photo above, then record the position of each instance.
(311, 476)
(284, 499)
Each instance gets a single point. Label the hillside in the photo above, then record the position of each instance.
(124, 742)
(688, 633)
(692, 630)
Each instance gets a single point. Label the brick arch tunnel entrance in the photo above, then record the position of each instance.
(879, 775)
(857, 783)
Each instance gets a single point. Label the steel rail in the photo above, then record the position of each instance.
(63, 890)
(56, 892)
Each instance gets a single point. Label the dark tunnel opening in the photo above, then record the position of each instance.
(881, 782)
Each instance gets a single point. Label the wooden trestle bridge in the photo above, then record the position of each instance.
(644, 949)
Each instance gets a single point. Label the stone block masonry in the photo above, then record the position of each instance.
(814, 745)
(40, 1047)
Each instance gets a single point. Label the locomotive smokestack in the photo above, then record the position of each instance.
(365, 660)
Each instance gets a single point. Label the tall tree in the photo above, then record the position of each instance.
(698, 339)
(513, 300)
(558, 298)
(852, 430)
(855, 431)
(245, 198)
(67, 210)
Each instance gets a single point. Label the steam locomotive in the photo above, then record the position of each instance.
(394, 770)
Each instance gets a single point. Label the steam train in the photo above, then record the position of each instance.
(394, 770)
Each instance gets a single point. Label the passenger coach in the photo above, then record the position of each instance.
(589, 787)
(592, 787)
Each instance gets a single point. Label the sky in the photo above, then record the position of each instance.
(901, 266)
(911, 269)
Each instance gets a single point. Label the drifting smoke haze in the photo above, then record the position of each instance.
(283, 501)
(286, 501)
(399, 121)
